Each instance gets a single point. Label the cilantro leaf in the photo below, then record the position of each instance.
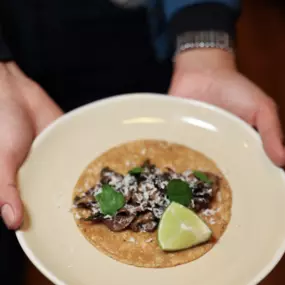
(179, 191)
(136, 171)
(110, 201)
(203, 177)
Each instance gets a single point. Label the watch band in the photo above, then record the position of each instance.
(204, 39)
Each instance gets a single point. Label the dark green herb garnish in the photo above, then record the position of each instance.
(136, 171)
(179, 191)
(110, 201)
(203, 177)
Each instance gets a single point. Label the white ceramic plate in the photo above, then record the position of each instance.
(253, 243)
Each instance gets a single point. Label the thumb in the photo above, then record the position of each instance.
(10, 202)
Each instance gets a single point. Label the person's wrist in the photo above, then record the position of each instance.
(4, 71)
(4, 63)
(5, 66)
(208, 60)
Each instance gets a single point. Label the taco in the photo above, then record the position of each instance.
(134, 178)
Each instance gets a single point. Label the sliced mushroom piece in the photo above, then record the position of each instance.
(202, 190)
(141, 220)
(149, 227)
(94, 219)
(146, 164)
(161, 181)
(149, 167)
(85, 202)
(142, 178)
(137, 209)
(215, 182)
(202, 187)
(204, 193)
(76, 199)
(128, 196)
(107, 175)
(200, 204)
(132, 209)
(172, 174)
(189, 176)
(120, 222)
(157, 198)
(166, 176)
(86, 206)
(137, 197)
(158, 212)
(124, 211)
(155, 194)
(93, 190)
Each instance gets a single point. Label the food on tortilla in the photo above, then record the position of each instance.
(137, 200)
(121, 197)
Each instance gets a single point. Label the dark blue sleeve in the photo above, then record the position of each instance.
(201, 15)
(173, 6)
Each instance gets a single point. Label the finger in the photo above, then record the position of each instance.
(269, 127)
(10, 202)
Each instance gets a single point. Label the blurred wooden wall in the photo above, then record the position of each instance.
(261, 46)
(261, 57)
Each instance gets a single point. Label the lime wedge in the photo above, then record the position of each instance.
(181, 228)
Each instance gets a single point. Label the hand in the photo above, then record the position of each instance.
(211, 76)
(25, 109)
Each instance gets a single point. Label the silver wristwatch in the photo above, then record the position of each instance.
(204, 39)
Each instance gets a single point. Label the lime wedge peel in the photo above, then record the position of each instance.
(180, 228)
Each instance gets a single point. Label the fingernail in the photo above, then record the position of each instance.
(8, 215)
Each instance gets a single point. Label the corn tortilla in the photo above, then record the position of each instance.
(142, 249)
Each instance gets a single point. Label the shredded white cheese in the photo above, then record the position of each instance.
(132, 239)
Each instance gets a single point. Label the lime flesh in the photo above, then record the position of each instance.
(180, 228)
